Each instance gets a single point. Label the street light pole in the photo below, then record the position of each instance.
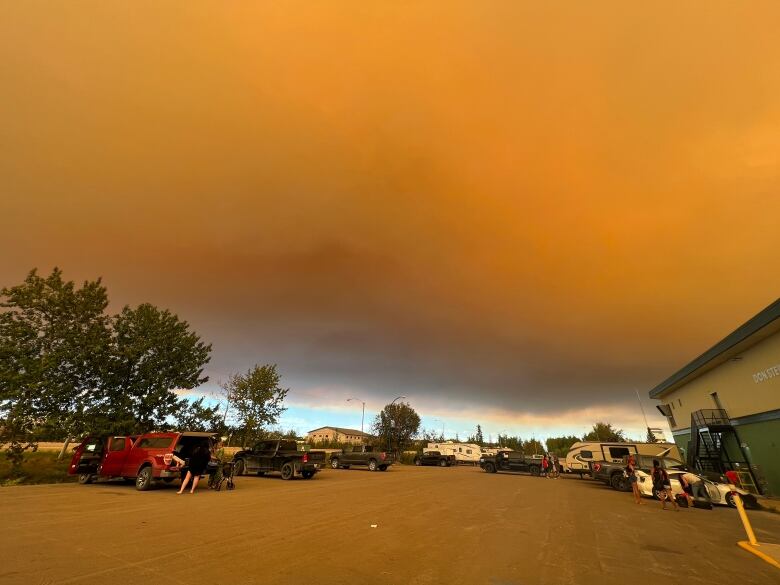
(389, 435)
(363, 416)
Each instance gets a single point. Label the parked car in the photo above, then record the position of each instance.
(282, 456)
(363, 455)
(511, 461)
(143, 459)
(721, 494)
(435, 458)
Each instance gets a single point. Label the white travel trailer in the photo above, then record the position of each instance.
(464, 452)
(581, 454)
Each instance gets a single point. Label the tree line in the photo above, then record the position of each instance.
(68, 367)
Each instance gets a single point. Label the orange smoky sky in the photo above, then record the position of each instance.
(519, 207)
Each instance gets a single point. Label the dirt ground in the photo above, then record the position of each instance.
(433, 526)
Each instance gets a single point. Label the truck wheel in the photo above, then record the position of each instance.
(490, 467)
(535, 470)
(443, 463)
(238, 467)
(372, 465)
(287, 471)
(144, 480)
(619, 483)
(307, 474)
(334, 463)
(383, 468)
(730, 500)
(85, 478)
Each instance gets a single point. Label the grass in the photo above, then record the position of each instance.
(38, 467)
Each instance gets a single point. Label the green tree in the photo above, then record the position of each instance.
(68, 368)
(605, 433)
(480, 440)
(153, 354)
(532, 447)
(194, 416)
(53, 355)
(507, 442)
(395, 426)
(430, 436)
(560, 446)
(257, 399)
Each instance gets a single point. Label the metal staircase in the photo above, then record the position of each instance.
(707, 450)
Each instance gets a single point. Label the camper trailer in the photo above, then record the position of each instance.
(581, 454)
(463, 452)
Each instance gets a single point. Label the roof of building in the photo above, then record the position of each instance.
(737, 341)
(341, 430)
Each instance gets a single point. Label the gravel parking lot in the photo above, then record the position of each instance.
(433, 525)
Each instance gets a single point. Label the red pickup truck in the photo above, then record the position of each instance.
(143, 459)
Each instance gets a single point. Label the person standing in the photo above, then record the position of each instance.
(663, 486)
(555, 466)
(217, 455)
(198, 461)
(633, 480)
(545, 465)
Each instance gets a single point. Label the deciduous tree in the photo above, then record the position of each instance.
(68, 368)
(605, 433)
(507, 442)
(560, 446)
(256, 398)
(53, 356)
(395, 426)
(153, 354)
(533, 447)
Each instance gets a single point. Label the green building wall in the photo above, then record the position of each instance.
(763, 450)
(763, 442)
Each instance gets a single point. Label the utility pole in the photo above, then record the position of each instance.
(363, 416)
(642, 408)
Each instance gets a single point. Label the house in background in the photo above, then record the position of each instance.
(338, 435)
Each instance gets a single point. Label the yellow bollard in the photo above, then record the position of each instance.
(745, 521)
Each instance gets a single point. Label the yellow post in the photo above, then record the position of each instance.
(745, 521)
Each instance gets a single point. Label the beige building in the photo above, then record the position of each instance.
(724, 407)
(337, 434)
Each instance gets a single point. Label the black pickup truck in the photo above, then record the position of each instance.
(435, 458)
(281, 456)
(511, 461)
(364, 455)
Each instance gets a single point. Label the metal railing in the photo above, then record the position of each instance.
(711, 418)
